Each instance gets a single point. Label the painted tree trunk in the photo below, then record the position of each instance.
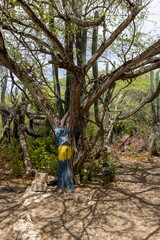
(65, 158)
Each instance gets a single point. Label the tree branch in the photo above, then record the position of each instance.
(30, 83)
(39, 42)
(111, 39)
(115, 75)
(139, 72)
(39, 24)
(150, 97)
(80, 22)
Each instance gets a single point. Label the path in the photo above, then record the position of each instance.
(129, 209)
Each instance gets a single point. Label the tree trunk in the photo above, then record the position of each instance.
(158, 98)
(65, 158)
(57, 91)
(95, 67)
(3, 93)
(15, 129)
(153, 148)
(27, 161)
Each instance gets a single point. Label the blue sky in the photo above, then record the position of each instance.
(153, 22)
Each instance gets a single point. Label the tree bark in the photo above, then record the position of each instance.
(3, 93)
(27, 162)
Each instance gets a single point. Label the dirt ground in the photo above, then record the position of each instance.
(128, 209)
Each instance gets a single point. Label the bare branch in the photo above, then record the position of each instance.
(115, 75)
(12, 78)
(30, 83)
(80, 22)
(111, 39)
(139, 72)
(39, 24)
(150, 97)
(39, 42)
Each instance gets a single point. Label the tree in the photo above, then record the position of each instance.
(38, 34)
(3, 92)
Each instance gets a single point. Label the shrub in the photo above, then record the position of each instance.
(14, 156)
(108, 169)
(44, 154)
(91, 130)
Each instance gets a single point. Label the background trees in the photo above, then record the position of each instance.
(40, 37)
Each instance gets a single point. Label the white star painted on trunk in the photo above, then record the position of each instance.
(57, 130)
(64, 139)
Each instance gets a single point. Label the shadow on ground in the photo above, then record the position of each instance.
(128, 209)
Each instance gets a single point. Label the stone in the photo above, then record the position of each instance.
(77, 179)
(39, 186)
(26, 230)
(36, 198)
(108, 149)
(80, 198)
(6, 190)
(41, 177)
(91, 203)
(130, 144)
(51, 180)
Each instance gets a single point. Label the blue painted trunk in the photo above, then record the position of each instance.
(65, 158)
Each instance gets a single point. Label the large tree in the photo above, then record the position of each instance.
(38, 38)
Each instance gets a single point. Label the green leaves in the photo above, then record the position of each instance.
(108, 169)
(44, 154)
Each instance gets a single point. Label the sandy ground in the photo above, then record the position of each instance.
(128, 209)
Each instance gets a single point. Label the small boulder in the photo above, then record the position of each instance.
(25, 230)
(39, 186)
(77, 180)
(41, 177)
(51, 180)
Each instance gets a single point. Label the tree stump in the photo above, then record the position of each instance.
(39, 184)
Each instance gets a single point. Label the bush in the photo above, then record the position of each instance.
(14, 156)
(108, 169)
(91, 130)
(44, 154)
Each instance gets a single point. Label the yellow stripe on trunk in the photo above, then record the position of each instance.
(65, 152)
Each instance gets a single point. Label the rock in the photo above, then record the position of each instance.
(6, 190)
(41, 177)
(123, 140)
(51, 180)
(127, 143)
(136, 144)
(25, 230)
(80, 198)
(91, 203)
(39, 186)
(108, 149)
(36, 198)
(77, 179)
